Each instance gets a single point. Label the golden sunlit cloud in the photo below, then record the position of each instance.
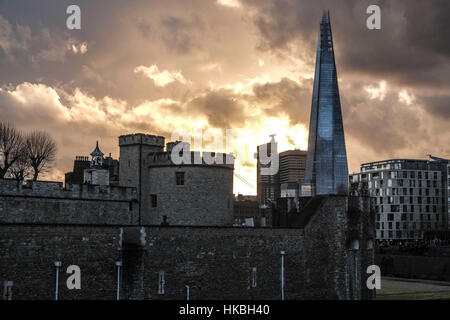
(229, 3)
(405, 97)
(78, 48)
(377, 92)
(210, 67)
(162, 78)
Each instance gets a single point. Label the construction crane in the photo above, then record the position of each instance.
(237, 175)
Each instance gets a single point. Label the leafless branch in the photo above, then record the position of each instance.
(11, 141)
(41, 150)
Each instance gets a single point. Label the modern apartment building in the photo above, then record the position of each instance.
(412, 196)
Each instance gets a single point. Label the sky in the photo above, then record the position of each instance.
(158, 67)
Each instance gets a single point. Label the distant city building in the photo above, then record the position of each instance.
(248, 212)
(268, 186)
(326, 166)
(291, 172)
(242, 197)
(284, 183)
(98, 170)
(412, 196)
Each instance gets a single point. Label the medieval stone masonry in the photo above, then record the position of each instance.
(95, 227)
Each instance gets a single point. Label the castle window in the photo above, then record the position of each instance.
(154, 200)
(253, 277)
(7, 290)
(354, 244)
(161, 282)
(179, 178)
(131, 206)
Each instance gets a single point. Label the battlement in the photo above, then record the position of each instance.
(52, 189)
(141, 138)
(196, 158)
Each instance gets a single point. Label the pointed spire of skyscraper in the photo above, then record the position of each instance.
(326, 16)
(326, 165)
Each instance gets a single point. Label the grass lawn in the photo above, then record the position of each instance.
(408, 289)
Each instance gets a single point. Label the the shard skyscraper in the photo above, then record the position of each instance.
(326, 164)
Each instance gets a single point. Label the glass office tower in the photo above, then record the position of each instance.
(326, 165)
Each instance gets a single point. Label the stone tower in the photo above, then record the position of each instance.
(326, 164)
(134, 149)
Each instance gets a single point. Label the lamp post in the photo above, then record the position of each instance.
(57, 265)
(118, 264)
(282, 274)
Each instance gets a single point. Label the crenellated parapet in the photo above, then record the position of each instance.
(51, 189)
(141, 138)
(194, 158)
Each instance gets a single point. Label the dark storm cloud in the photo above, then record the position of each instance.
(222, 108)
(411, 44)
(285, 96)
(178, 32)
(372, 122)
(410, 51)
(426, 25)
(144, 27)
(227, 109)
(438, 105)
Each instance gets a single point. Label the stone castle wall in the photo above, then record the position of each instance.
(206, 198)
(216, 262)
(28, 253)
(49, 202)
(338, 243)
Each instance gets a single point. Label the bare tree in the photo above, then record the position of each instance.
(11, 141)
(41, 150)
(21, 168)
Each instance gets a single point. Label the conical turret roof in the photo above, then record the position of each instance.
(97, 152)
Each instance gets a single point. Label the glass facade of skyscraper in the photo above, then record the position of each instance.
(326, 167)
